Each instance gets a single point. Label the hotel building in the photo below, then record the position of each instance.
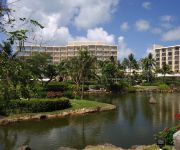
(101, 50)
(169, 55)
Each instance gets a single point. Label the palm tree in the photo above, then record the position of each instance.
(148, 64)
(132, 63)
(164, 70)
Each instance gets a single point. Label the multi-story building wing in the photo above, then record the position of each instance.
(169, 55)
(101, 50)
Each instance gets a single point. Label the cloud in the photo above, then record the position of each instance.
(142, 25)
(58, 16)
(54, 35)
(167, 18)
(146, 5)
(123, 51)
(166, 21)
(83, 14)
(98, 34)
(124, 26)
(167, 25)
(156, 31)
(172, 35)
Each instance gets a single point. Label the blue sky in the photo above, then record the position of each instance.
(133, 25)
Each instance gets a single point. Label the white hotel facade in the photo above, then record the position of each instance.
(101, 50)
(169, 55)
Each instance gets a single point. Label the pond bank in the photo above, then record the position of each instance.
(155, 89)
(110, 147)
(79, 107)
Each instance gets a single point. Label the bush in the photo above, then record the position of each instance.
(68, 94)
(117, 87)
(38, 105)
(163, 87)
(167, 134)
(132, 89)
(57, 86)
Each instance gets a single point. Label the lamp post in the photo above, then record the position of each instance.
(161, 142)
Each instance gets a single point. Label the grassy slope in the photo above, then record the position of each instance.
(76, 104)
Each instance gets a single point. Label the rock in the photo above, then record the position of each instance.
(24, 147)
(103, 147)
(152, 101)
(176, 140)
(66, 148)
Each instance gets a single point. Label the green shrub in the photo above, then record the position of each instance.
(167, 134)
(120, 86)
(38, 105)
(57, 86)
(163, 87)
(68, 94)
(132, 89)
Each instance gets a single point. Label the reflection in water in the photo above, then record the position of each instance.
(134, 122)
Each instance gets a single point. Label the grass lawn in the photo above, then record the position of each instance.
(76, 105)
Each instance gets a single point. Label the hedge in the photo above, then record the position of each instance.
(37, 105)
(57, 86)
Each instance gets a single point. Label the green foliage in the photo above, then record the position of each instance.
(163, 87)
(167, 134)
(37, 105)
(132, 89)
(36, 23)
(80, 68)
(119, 86)
(69, 94)
(57, 86)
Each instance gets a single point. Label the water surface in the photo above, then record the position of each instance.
(134, 122)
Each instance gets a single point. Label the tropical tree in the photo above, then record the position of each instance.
(148, 65)
(40, 66)
(165, 70)
(81, 68)
(14, 74)
(130, 63)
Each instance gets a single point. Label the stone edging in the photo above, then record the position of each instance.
(7, 121)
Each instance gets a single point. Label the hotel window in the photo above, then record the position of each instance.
(157, 55)
(169, 58)
(170, 63)
(176, 62)
(163, 50)
(177, 48)
(176, 57)
(157, 59)
(169, 53)
(164, 58)
(176, 52)
(163, 54)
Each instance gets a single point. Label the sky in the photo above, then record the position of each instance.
(133, 25)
